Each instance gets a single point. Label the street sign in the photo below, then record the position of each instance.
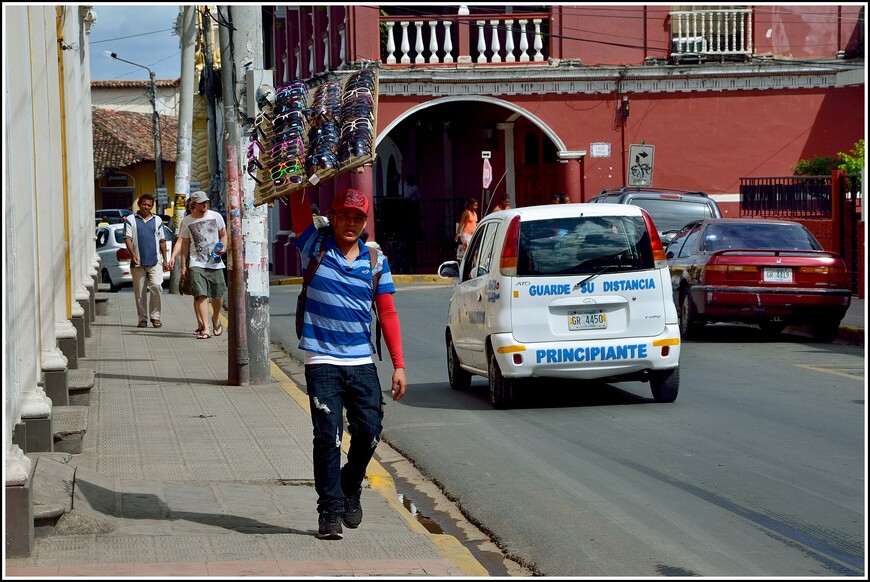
(485, 154)
(162, 196)
(487, 173)
(640, 164)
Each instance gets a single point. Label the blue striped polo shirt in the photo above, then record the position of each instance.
(338, 312)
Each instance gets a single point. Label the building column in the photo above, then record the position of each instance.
(364, 182)
(19, 502)
(570, 176)
(36, 416)
(66, 334)
(54, 376)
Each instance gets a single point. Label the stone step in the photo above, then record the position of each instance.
(103, 287)
(79, 383)
(70, 424)
(52, 487)
(101, 301)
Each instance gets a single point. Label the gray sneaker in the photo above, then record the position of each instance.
(352, 511)
(329, 527)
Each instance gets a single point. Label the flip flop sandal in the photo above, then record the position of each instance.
(198, 331)
(142, 324)
(218, 329)
(203, 336)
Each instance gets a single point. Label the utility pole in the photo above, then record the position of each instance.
(158, 157)
(187, 33)
(241, 36)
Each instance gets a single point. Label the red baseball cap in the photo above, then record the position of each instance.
(353, 199)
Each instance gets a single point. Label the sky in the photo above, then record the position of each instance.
(143, 34)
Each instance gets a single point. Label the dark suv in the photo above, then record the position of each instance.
(670, 209)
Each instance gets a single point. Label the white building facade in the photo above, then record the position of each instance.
(50, 263)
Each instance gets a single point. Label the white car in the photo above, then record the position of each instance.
(115, 258)
(578, 291)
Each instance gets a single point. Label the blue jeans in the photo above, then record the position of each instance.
(331, 389)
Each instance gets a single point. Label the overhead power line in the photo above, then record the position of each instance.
(131, 36)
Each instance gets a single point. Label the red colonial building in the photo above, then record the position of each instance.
(556, 95)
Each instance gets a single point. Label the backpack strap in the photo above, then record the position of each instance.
(313, 264)
(376, 276)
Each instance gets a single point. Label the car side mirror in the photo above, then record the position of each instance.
(448, 270)
(670, 255)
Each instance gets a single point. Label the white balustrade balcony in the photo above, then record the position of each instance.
(711, 34)
(441, 39)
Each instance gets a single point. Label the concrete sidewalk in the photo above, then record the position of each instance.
(182, 475)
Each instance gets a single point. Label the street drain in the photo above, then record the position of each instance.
(424, 520)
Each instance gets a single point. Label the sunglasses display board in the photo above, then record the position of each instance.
(308, 135)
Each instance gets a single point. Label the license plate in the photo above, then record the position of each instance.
(778, 275)
(594, 319)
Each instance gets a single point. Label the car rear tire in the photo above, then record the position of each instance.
(689, 324)
(108, 279)
(501, 389)
(825, 330)
(665, 385)
(459, 378)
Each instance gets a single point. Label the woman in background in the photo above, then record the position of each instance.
(466, 226)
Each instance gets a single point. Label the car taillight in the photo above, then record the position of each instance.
(832, 276)
(655, 241)
(123, 255)
(715, 273)
(510, 252)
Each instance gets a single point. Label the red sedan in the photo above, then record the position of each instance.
(772, 273)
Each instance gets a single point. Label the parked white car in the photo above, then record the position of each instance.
(578, 291)
(115, 258)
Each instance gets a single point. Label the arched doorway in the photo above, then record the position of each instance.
(442, 144)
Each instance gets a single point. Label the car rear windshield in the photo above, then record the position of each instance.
(760, 236)
(673, 214)
(575, 245)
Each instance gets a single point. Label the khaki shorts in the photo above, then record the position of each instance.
(208, 282)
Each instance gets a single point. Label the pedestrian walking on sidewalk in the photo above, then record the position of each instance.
(176, 250)
(201, 232)
(143, 235)
(343, 284)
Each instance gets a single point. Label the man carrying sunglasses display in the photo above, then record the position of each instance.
(336, 341)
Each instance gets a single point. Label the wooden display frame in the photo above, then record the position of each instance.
(267, 191)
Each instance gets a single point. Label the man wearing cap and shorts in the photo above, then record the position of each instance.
(337, 346)
(200, 232)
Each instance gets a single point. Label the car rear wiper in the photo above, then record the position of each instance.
(593, 275)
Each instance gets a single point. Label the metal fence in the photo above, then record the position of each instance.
(786, 197)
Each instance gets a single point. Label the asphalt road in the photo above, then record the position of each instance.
(757, 469)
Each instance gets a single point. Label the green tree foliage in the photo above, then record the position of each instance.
(853, 162)
(818, 166)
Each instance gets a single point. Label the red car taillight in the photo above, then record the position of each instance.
(510, 252)
(833, 276)
(715, 273)
(658, 249)
(123, 255)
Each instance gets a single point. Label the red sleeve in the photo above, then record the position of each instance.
(300, 210)
(390, 327)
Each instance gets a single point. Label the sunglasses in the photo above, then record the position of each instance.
(284, 169)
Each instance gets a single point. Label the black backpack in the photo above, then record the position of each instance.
(313, 264)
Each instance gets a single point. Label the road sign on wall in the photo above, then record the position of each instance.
(640, 164)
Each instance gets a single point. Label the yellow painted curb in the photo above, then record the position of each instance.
(381, 482)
